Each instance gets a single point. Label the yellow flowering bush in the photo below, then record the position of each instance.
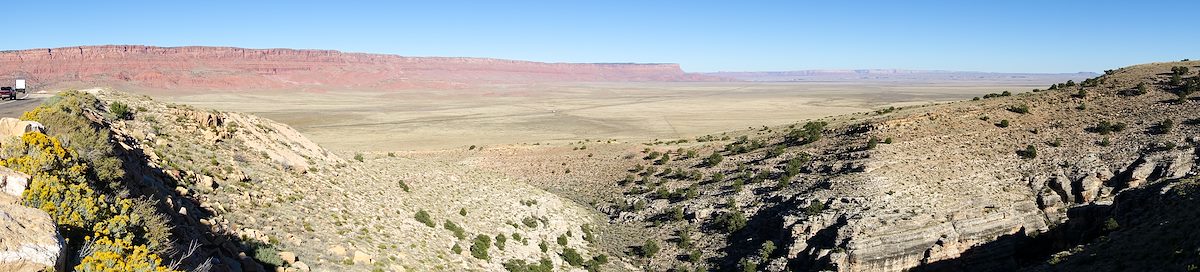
(78, 184)
(120, 256)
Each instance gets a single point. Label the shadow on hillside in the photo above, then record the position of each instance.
(1015, 251)
(1019, 251)
(765, 225)
(197, 245)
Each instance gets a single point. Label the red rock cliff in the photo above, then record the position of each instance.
(198, 67)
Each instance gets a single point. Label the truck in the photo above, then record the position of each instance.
(7, 92)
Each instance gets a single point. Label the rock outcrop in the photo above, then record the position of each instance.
(28, 238)
(16, 127)
(228, 68)
(13, 182)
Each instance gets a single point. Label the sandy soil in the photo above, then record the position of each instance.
(507, 114)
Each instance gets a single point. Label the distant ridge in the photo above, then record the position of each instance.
(895, 75)
(231, 68)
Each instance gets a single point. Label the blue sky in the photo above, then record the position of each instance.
(703, 36)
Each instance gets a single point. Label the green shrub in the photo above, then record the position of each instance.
(588, 234)
(1111, 224)
(717, 177)
(358, 157)
(457, 249)
(572, 257)
(811, 132)
(665, 158)
(648, 249)
(685, 238)
(748, 265)
(530, 222)
(264, 253)
(404, 186)
(459, 232)
(593, 265)
(562, 240)
(676, 213)
(1029, 152)
(462, 211)
(1163, 127)
(814, 207)
(713, 159)
(1106, 127)
(518, 265)
(543, 246)
(767, 249)
(1080, 94)
(1022, 109)
(423, 217)
(479, 248)
(120, 110)
(731, 221)
(1002, 123)
(501, 240)
(872, 143)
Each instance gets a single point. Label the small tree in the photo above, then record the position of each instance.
(1002, 123)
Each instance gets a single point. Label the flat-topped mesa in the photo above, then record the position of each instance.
(200, 67)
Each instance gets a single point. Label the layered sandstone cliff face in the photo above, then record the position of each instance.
(197, 67)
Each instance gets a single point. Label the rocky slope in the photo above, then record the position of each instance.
(227, 68)
(291, 204)
(928, 187)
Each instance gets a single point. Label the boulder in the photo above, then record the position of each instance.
(287, 257)
(363, 258)
(339, 251)
(28, 240)
(12, 182)
(15, 127)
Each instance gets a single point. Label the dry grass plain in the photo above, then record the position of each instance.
(559, 113)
